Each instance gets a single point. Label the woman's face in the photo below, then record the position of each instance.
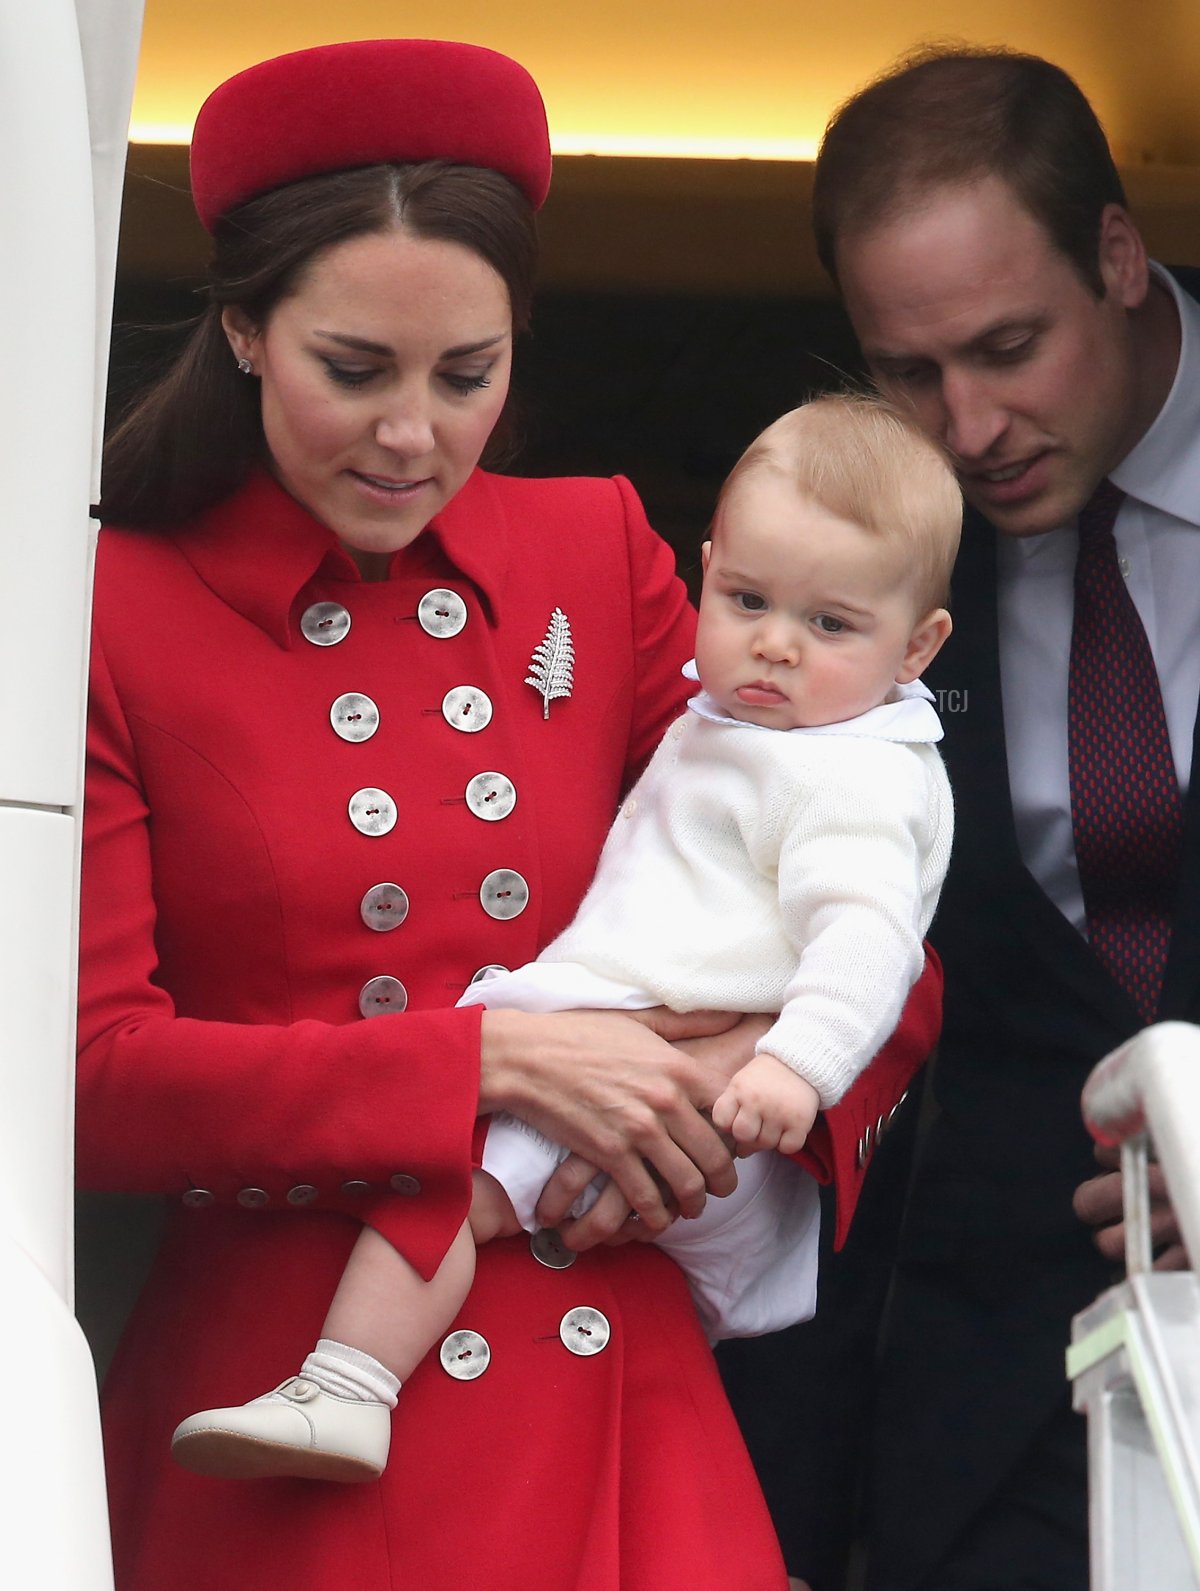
(382, 377)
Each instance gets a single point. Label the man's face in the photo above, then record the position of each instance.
(970, 315)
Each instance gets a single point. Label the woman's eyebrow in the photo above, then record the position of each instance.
(364, 345)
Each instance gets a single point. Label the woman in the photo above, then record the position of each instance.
(329, 782)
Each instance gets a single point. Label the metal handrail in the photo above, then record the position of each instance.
(1135, 1353)
(1150, 1088)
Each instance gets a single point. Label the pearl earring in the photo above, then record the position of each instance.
(245, 367)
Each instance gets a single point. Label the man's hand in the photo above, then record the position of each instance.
(767, 1106)
(1099, 1203)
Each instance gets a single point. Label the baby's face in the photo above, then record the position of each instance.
(805, 618)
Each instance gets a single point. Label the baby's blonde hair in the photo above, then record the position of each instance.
(858, 457)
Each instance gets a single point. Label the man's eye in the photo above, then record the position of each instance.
(750, 601)
(1011, 353)
(915, 374)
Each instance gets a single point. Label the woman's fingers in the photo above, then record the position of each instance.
(564, 1187)
(610, 1089)
(609, 1220)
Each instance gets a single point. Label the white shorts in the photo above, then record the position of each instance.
(750, 1259)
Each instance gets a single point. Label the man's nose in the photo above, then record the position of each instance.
(973, 421)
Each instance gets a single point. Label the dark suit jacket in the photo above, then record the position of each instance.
(993, 1262)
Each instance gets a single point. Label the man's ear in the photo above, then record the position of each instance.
(924, 644)
(1121, 255)
(240, 331)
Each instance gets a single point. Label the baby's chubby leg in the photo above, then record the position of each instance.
(333, 1420)
(385, 1308)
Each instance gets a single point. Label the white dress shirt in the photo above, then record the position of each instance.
(1158, 542)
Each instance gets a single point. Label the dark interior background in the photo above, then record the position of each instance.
(680, 312)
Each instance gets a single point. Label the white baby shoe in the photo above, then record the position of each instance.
(295, 1430)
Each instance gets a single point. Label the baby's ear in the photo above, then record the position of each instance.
(924, 644)
(705, 555)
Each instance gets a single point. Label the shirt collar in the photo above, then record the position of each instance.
(1163, 469)
(908, 716)
(258, 550)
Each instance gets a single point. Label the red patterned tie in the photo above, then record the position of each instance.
(1125, 805)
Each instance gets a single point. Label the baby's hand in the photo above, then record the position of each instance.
(766, 1106)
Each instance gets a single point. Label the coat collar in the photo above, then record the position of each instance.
(258, 550)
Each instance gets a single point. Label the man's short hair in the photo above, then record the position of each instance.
(861, 459)
(949, 116)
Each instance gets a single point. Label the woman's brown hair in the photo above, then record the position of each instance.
(193, 437)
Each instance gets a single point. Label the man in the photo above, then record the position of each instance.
(969, 210)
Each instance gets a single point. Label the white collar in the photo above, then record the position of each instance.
(1164, 468)
(909, 716)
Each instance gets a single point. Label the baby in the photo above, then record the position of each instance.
(783, 852)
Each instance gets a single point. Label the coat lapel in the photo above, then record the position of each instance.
(966, 680)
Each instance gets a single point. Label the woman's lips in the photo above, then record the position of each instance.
(386, 486)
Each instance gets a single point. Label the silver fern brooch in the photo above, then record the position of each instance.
(552, 666)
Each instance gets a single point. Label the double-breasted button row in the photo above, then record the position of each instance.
(440, 613)
(873, 1132)
(303, 1193)
(490, 796)
(583, 1331)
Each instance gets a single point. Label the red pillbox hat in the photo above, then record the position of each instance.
(367, 103)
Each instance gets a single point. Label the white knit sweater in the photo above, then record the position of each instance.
(792, 871)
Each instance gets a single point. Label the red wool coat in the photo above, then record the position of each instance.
(231, 930)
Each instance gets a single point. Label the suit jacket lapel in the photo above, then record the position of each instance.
(1181, 983)
(966, 680)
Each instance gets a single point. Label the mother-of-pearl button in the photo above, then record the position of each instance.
(325, 623)
(441, 613)
(382, 996)
(465, 1355)
(548, 1248)
(372, 812)
(468, 708)
(504, 894)
(383, 907)
(492, 966)
(584, 1330)
(491, 796)
(354, 716)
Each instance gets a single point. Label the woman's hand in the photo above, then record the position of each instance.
(611, 1087)
(610, 1219)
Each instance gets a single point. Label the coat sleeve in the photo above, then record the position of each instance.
(177, 1106)
(840, 1146)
